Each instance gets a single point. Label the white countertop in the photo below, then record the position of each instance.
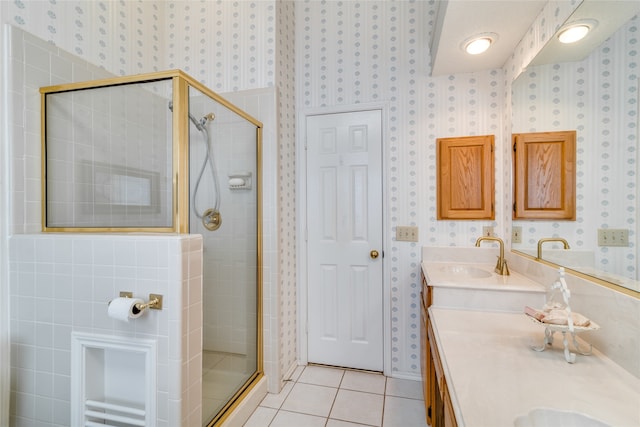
(440, 273)
(476, 286)
(493, 375)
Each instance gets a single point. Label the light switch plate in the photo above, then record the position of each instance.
(516, 234)
(613, 237)
(406, 233)
(487, 231)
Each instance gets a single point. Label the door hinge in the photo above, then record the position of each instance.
(514, 207)
(514, 147)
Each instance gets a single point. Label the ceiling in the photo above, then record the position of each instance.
(458, 20)
(609, 15)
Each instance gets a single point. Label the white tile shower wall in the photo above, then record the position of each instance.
(592, 96)
(119, 132)
(231, 292)
(62, 283)
(261, 103)
(33, 63)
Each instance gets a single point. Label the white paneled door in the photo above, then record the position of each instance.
(344, 221)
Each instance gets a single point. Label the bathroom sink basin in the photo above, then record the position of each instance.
(544, 417)
(464, 271)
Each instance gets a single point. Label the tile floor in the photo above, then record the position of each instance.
(331, 397)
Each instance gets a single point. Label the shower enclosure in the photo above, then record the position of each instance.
(162, 153)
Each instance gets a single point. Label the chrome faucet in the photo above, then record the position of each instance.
(551, 239)
(501, 266)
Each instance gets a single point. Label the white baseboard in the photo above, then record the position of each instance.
(407, 376)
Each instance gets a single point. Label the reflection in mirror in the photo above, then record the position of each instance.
(598, 97)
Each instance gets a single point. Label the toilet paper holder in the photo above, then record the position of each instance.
(155, 301)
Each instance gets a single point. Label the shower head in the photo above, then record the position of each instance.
(199, 124)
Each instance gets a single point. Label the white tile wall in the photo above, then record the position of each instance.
(63, 283)
(31, 63)
(263, 103)
(96, 137)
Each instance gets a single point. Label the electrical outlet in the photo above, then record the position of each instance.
(613, 237)
(406, 233)
(487, 231)
(516, 234)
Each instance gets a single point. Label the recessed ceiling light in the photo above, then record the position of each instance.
(479, 44)
(576, 31)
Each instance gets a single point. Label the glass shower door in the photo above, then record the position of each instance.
(223, 156)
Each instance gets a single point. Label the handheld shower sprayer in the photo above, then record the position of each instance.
(211, 218)
(199, 124)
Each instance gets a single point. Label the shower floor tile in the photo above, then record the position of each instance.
(222, 375)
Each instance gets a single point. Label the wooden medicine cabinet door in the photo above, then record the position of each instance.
(465, 177)
(544, 175)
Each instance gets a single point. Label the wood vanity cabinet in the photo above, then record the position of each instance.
(437, 402)
(465, 177)
(544, 172)
(428, 388)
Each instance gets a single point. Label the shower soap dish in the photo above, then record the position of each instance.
(556, 316)
(240, 181)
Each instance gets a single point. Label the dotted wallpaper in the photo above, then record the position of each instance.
(356, 52)
(599, 98)
(552, 16)
(124, 37)
(286, 78)
(227, 45)
(326, 54)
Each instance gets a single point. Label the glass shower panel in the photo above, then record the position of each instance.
(109, 157)
(223, 168)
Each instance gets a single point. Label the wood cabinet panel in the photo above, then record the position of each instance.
(425, 364)
(465, 177)
(544, 175)
(449, 415)
(437, 401)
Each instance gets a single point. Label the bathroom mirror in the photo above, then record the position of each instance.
(595, 93)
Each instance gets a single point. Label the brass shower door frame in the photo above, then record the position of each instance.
(180, 147)
(180, 183)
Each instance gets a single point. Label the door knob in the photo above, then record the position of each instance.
(374, 254)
